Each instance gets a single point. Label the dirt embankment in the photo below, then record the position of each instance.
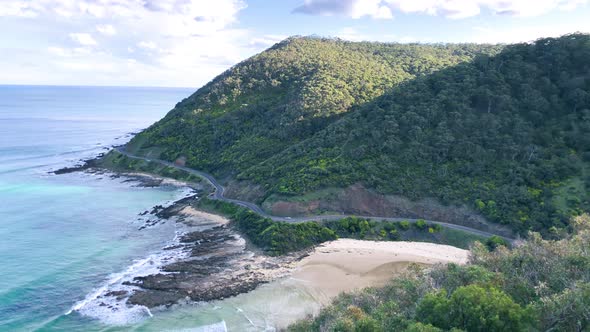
(243, 190)
(358, 200)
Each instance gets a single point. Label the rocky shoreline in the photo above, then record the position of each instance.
(217, 262)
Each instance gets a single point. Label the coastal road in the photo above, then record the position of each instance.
(219, 192)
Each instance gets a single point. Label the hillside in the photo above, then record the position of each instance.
(502, 130)
(284, 95)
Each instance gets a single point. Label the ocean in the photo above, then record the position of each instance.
(66, 239)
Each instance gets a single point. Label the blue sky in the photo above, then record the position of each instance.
(188, 42)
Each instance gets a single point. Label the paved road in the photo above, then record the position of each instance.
(219, 191)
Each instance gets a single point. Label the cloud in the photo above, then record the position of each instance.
(83, 39)
(454, 9)
(18, 9)
(266, 40)
(106, 29)
(352, 34)
(67, 52)
(523, 33)
(352, 8)
(173, 42)
(149, 45)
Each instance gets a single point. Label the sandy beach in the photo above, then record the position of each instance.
(192, 212)
(346, 265)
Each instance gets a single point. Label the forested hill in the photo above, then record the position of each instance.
(286, 94)
(504, 130)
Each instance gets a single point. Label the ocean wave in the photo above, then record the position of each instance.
(99, 147)
(108, 303)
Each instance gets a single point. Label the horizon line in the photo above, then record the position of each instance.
(96, 86)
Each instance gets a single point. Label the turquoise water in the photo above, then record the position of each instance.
(63, 236)
(66, 239)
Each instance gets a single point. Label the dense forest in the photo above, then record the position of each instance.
(541, 285)
(504, 130)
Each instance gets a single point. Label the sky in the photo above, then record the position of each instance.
(186, 43)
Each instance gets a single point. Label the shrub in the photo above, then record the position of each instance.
(420, 224)
(404, 225)
(473, 308)
(495, 241)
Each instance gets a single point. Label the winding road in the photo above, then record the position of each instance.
(219, 191)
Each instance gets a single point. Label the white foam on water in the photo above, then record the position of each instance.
(113, 309)
(215, 327)
(110, 309)
(245, 316)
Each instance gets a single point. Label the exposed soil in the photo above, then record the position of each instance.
(358, 200)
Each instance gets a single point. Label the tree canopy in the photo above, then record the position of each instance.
(502, 129)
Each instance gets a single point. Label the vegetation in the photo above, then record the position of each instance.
(541, 285)
(119, 162)
(504, 130)
(279, 238)
(275, 238)
(366, 229)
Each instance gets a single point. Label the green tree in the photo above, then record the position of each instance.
(474, 308)
(494, 241)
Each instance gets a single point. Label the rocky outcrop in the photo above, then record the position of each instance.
(219, 264)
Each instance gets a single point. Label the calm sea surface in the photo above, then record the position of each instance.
(64, 238)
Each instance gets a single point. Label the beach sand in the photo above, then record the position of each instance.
(346, 265)
(192, 212)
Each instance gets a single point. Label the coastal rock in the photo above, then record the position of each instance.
(218, 265)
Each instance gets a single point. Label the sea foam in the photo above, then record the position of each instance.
(111, 309)
(114, 310)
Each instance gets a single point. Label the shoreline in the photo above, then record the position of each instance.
(217, 261)
(208, 260)
(346, 265)
(213, 261)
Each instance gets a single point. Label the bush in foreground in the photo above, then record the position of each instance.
(540, 285)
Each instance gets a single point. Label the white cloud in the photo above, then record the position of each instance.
(523, 33)
(352, 34)
(149, 45)
(266, 40)
(352, 8)
(18, 8)
(83, 39)
(454, 9)
(371, 8)
(67, 52)
(182, 42)
(106, 29)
